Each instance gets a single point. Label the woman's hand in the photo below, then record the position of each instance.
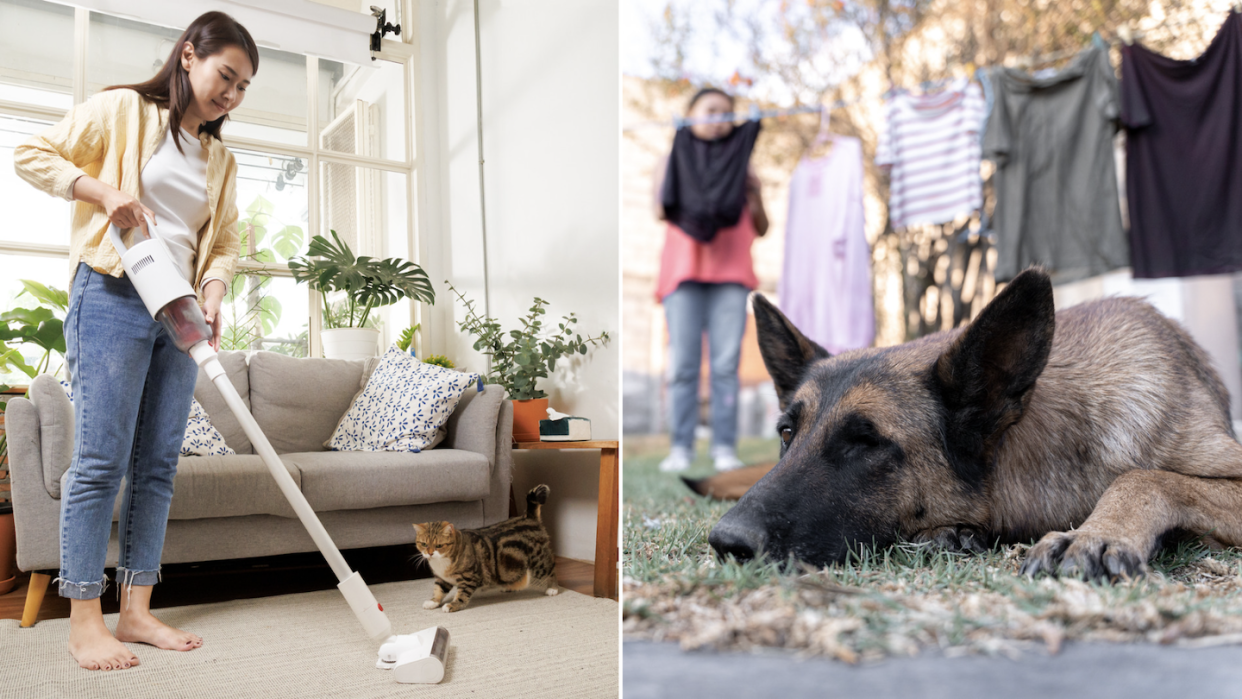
(213, 296)
(754, 199)
(126, 211)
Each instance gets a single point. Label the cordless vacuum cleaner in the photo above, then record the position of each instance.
(169, 299)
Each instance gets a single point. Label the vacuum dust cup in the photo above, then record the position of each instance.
(168, 296)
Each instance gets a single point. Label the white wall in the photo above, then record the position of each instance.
(550, 124)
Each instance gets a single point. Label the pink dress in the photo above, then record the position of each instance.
(726, 259)
(825, 287)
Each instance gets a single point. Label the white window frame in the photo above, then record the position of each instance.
(405, 54)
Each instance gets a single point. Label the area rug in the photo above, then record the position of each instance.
(310, 645)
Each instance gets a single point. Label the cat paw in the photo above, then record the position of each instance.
(552, 591)
(454, 607)
(430, 604)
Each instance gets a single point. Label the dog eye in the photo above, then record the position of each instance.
(786, 435)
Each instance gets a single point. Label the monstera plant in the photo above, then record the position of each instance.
(330, 267)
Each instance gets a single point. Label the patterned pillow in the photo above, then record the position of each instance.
(201, 439)
(403, 405)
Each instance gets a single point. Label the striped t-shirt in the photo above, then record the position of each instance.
(932, 145)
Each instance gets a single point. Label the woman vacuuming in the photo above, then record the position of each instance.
(131, 152)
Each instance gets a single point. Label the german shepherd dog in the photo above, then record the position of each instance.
(1102, 429)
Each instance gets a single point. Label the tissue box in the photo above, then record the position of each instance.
(568, 429)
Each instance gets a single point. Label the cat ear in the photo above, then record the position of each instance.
(418, 530)
(448, 529)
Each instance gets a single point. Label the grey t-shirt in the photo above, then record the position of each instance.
(1056, 181)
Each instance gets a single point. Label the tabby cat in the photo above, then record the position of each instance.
(511, 555)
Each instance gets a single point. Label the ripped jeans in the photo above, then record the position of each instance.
(132, 391)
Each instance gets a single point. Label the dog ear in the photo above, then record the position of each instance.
(786, 352)
(986, 376)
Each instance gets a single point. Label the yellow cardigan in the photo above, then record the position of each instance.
(111, 137)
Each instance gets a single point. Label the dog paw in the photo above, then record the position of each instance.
(430, 604)
(955, 538)
(1083, 555)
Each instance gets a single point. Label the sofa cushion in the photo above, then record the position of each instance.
(297, 402)
(222, 417)
(351, 480)
(402, 407)
(222, 486)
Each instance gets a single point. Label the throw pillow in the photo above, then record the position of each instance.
(402, 407)
(201, 438)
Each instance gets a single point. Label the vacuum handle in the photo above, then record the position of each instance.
(114, 232)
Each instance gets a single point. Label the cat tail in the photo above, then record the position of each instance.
(536, 497)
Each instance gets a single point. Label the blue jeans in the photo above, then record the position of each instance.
(132, 391)
(719, 310)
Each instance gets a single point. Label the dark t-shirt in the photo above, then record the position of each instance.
(705, 183)
(1183, 124)
(1056, 179)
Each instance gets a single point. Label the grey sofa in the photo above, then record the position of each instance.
(227, 507)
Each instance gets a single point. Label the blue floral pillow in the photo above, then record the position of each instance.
(201, 438)
(403, 405)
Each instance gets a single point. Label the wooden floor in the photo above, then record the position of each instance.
(219, 581)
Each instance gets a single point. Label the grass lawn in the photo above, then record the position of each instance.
(896, 600)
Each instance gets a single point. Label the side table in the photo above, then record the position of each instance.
(606, 543)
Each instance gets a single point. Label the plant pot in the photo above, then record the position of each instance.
(350, 343)
(526, 417)
(8, 551)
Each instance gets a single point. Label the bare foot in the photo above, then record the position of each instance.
(95, 648)
(142, 627)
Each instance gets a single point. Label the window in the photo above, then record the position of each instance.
(36, 63)
(333, 153)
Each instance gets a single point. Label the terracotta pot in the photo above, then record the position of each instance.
(8, 553)
(526, 417)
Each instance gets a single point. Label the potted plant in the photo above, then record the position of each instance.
(367, 284)
(38, 326)
(519, 358)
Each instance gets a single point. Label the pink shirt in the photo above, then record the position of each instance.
(726, 259)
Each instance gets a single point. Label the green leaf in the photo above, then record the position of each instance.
(28, 316)
(269, 314)
(49, 295)
(260, 211)
(288, 241)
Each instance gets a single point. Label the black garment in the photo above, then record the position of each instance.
(705, 183)
(1184, 157)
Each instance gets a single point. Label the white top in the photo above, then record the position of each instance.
(931, 142)
(174, 186)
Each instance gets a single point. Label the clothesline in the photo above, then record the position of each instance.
(1019, 62)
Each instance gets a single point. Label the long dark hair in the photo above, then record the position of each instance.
(210, 34)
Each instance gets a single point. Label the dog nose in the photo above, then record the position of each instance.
(737, 540)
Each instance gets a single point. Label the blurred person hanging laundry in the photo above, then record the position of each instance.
(1051, 138)
(930, 145)
(1183, 124)
(710, 198)
(825, 285)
